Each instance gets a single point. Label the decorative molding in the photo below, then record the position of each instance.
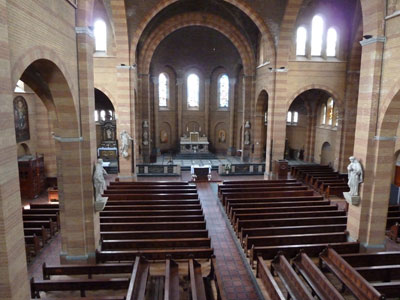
(126, 67)
(85, 30)
(284, 70)
(67, 139)
(385, 138)
(372, 40)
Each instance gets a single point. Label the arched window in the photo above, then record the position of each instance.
(289, 117)
(301, 39)
(331, 41)
(317, 30)
(20, 87)
(96, 115)
(223, 91)
(295, 117)
(100, 35)
(103, 115)
(323, 119)
(193, 89)
(163, 90)
(331, 104)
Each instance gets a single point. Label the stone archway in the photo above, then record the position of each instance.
(326, 154)
(260, 126)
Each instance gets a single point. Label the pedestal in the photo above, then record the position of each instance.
(100, 203)
(281, 168)
(354, 200)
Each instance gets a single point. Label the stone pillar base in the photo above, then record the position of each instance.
(368, 248)
(66, 259)
(354, 200)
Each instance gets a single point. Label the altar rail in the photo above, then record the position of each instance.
(242, 169)
(158, 170)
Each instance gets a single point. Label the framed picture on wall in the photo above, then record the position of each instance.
(21, 119)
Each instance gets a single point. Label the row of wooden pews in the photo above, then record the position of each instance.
(366, 276)
(295, 217)
(140, 285)
(41, 222)
(322, 178)
(167, 221)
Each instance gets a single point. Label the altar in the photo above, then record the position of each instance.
(194, 143)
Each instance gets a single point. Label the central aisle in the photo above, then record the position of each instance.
(236, 280)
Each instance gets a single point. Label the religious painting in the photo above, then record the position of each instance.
(221, 136)
(108, 130)
(21, 119)
(163, 136)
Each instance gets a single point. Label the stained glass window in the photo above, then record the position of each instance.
(295, 117)
(223, 90)
(193, 83)
(331, 104)
(331, 41)
(163, 91)
(289, 117)
(316, 35)
(323, 114)
(301, 39)
(100, 35)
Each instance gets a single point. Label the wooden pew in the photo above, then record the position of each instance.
(154, 234)
(150, 219)
(148, 191)
(39, 232)
(44, 205)
(384, 273)
(348, 276)
(197, 289)
(153, 254)
(152, 202)
(286, 230)
(81, 285)
(150, 183)
(290, 222)
(49, 225)
(390, 221)
(372, 259)
(217, 277)
(88, 269)
(336, 190)
(271, 287)
(294, 286)
(164, 187)
(313, 177)
(257, 181)
(111, 207)
(39, 217)
(321, 286)
(152, 226)
(171, 288)
(137, 213)
(40, 211)
(166, 243)
(138, 280)
(33, 242)
(228, 187)
(313, 250)
(159, 196)
(394, 232)
(294, 239)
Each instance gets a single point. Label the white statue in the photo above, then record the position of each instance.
(247, 137)
(98, 179)
(355, 174)
(125, 138)
(145, 137)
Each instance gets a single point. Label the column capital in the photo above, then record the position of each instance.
(85, 30)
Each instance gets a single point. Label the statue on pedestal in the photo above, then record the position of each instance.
(247, 137)
(99, 181)
(125, 138)
(355, 176)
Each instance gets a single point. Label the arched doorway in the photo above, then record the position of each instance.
(326, 154)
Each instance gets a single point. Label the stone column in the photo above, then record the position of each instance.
(248, 95)
(145, 98)
(366, 222)
(310, 138)
(180, 84)
(123, 111)
(207, 83)
(231, 132)
(14, 282)
(156, 142)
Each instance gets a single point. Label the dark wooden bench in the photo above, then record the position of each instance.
(159, 196)
(39, 232)
(390, 221)
(148, 191)
(384, 273)
(372, 259)
(257, 181)
(294, 239)
(290, 222)
(358, 286)
(49, 225)
(128, 202)
(41, 217)
(111, 207)
(150, 219)
(336, 190)
(394, 232)
(132, 213)
(321, 286)
(163, 187)
(286, 230)
(40, 211)
(44, 205)
(118, 182)
(319, 181)
(33, 242)
(138, 280)
(271, 287)
(217, 277)
(394, 207)
(228, 187)
(292, 283)
(171, 288)
(313, 250)
(166, 243)
(311, 178)
(152, 226)
(88, 269)
(197, 289)
(153, 254)
(155, 234)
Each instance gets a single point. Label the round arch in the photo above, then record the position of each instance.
(107, 93)
(240, 4)
(197, 19)
(324, 88)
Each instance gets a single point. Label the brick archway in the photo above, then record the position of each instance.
(240, 4)
(107, 93)
(197, 19)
